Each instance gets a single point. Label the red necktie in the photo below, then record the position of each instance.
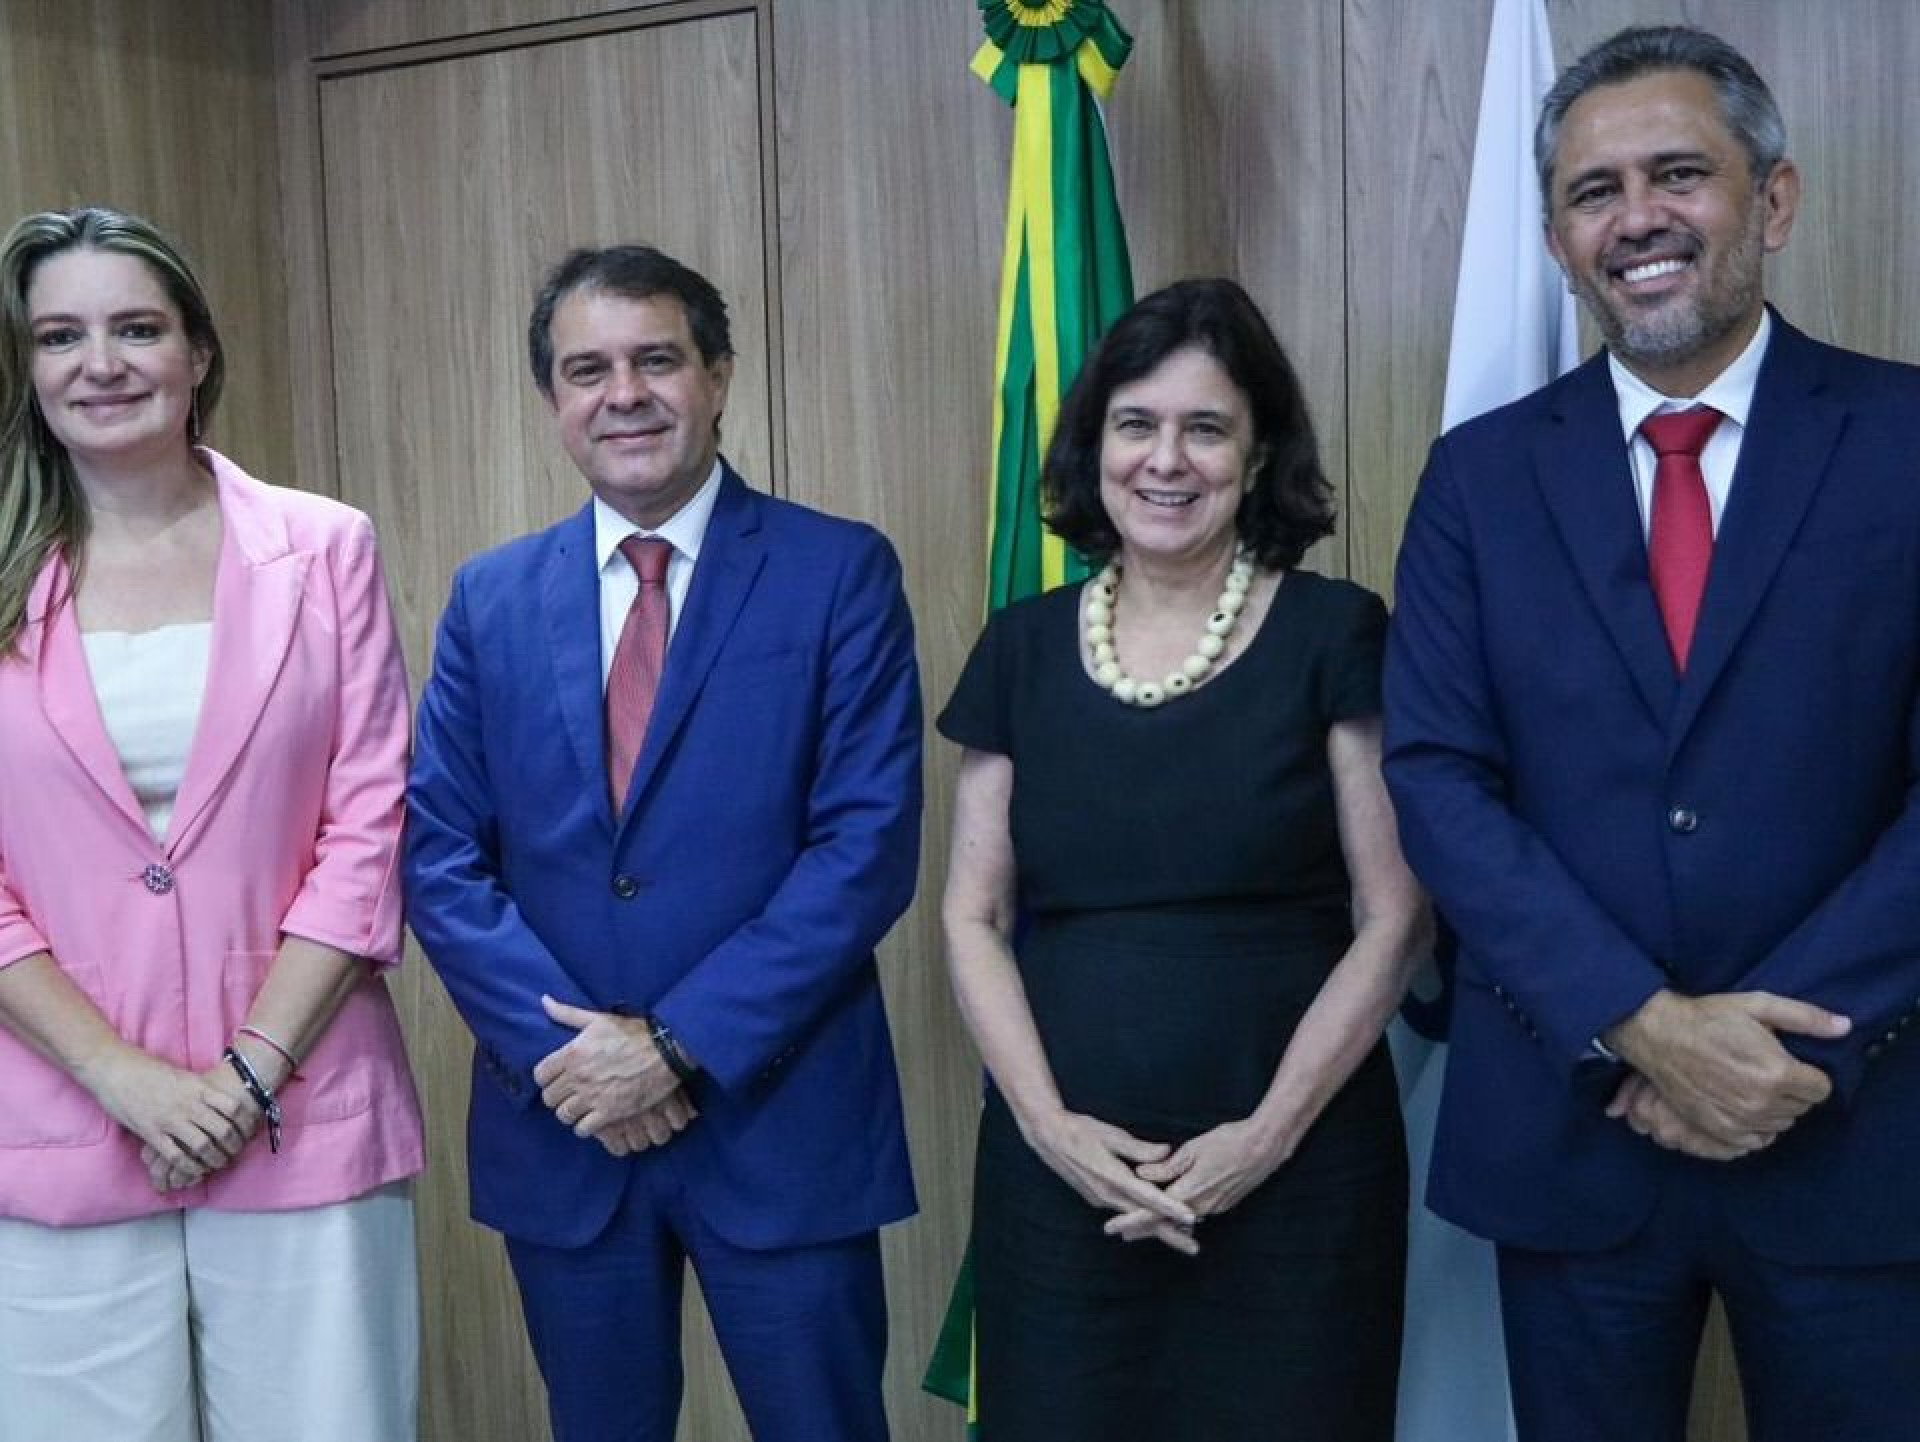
(1680, 540)
(634, 677)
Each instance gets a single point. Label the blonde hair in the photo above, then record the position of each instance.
(41, 507)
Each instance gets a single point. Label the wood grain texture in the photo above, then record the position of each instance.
(1412, 96)
(449, 188)
(166, 110)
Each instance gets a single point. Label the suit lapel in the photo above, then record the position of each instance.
(569, 597)
(257, 591)
(66, 690)
(1582, 467)
(1784, 457)
(731, 554)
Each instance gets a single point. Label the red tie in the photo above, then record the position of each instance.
(1680, 541)
(634, 677)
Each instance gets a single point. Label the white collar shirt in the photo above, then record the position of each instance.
(684, 530)
(1730, 393)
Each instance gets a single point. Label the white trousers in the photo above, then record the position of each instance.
(204, 1326)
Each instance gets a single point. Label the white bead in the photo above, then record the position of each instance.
(1097, 634)
(1211, 647)
(1148, 693)
(1107, 672)
(1196, 665)
(1124, 689)
(1104, 651)
(1232, 602)
(1178, 683)
(1240, 578)
(1099, 613)
(1220, 624)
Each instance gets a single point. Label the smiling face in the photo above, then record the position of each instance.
(1175, 457)
(638, 409)
(1660, 225)
(113, 370)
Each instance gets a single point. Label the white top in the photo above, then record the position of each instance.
(1730, 393)
(150, 685)
(683, 530)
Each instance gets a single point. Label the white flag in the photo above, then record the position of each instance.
(1514, 329)
(1513, 320)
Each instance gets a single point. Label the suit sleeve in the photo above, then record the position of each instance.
(1532, 930)
(1858, 952)
(760, 990)
(494, 966)
(350, 897)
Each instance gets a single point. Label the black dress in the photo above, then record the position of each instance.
(1183, 897)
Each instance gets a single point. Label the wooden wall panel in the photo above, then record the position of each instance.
(433, 250)
(1412, 98)
(164, 108)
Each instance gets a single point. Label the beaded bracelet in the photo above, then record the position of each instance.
(261, 1093)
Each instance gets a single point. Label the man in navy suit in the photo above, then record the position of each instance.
(665, 802)
(1653, 732)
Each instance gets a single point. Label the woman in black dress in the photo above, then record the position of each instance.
(1178, 921)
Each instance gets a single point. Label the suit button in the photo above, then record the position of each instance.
(625, 887)
(158, 878)
(1683, 820)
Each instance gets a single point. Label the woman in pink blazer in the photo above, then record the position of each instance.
(206, 1117)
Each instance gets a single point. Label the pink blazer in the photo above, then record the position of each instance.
(287, 821)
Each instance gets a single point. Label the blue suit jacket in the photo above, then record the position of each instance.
(1597, 827)
(770, 838)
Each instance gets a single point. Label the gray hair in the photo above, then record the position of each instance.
(1746, 105)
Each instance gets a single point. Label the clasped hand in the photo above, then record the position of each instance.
(189, 1124)
(610, 1083)
(1156, 1192)
(1711, 1076)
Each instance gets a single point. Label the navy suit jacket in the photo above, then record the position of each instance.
(1597, 827)
(769, 839)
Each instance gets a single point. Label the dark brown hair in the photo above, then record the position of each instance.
(1288, 505)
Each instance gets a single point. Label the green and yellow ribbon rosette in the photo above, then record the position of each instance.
(1065, 275)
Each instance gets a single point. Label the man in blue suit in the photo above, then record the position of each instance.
(665, 802)
(1653, 732)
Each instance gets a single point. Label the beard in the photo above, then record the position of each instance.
(1687, 325)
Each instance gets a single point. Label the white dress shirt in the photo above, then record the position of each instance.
(684, 530)
(1730, 393)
